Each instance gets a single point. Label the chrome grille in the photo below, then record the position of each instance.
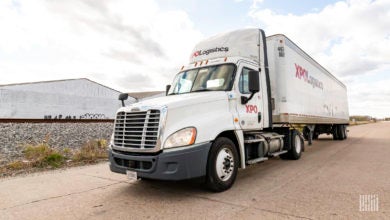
(137, 129)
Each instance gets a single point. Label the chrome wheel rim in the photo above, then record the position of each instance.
(224, 164)
(345, 132)
(298, 146)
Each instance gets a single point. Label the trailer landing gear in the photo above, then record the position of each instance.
(308, 133)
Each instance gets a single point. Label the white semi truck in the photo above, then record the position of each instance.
(239, 101)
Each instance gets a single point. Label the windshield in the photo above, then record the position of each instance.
(211, 78)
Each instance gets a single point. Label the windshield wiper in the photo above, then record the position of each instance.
(203, 90)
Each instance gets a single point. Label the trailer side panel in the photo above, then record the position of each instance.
(302, 90)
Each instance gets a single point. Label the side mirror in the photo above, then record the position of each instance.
(123, 97)
(253, 85)
(254, 82)
(167, 89)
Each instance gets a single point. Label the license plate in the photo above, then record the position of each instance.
(131, 175)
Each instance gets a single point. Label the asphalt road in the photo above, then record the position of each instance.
(326, 183)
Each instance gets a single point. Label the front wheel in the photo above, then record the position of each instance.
(222, 165)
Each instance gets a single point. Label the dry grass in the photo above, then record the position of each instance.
(42, 157)
(352, 123)
(91, 151)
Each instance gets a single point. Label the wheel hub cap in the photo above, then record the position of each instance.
(224, 164)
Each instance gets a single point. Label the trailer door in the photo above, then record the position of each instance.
(251, 113)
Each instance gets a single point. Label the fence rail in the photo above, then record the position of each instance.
(31, 120)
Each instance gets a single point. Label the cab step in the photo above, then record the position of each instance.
(257, 160)
(278, 153)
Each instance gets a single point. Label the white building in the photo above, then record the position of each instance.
(59, 99)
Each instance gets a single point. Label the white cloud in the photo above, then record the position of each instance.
(109, 41)
(370, 98)
(255, 4)
(350, 38)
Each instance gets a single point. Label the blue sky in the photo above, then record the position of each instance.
(140, 45)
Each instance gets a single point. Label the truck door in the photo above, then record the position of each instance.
(251, 113)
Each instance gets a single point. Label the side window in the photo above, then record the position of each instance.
(243, 82)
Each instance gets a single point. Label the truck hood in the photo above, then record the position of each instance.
(178, 101)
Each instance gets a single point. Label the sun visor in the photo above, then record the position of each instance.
(242, 43)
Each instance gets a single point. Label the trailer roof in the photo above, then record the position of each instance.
(295, 47)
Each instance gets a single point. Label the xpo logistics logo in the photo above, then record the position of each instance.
(303, 74)
(209, 51)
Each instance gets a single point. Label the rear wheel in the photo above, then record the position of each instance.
(222, 165)
(341, 132)
(297, 145)
(335, 132)
(345, 132)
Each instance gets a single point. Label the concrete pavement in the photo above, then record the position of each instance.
(326, 183)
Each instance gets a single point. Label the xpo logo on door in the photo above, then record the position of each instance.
(251, 108)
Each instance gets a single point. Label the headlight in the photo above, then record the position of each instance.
(182, 137)
(111, 142)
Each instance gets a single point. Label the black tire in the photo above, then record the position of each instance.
(315, 136)
(297, 145)
(223, 151)
(345, 132)
(335, 132)
(341, 132)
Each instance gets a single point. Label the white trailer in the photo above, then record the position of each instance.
(302, 90)
(238, 102)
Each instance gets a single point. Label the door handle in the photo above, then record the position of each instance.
(259, 117)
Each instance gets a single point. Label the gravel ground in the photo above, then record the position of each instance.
(15, 136)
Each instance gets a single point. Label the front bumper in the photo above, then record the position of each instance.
(170, 164)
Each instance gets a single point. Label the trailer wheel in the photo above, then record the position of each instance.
(297, 145)
(222, 165)
(341, 132)
(335, 132)
(345, 131)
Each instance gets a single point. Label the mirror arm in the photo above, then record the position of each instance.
(245, 99)
(122, 97)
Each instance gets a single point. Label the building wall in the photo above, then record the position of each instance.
(77, 99)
